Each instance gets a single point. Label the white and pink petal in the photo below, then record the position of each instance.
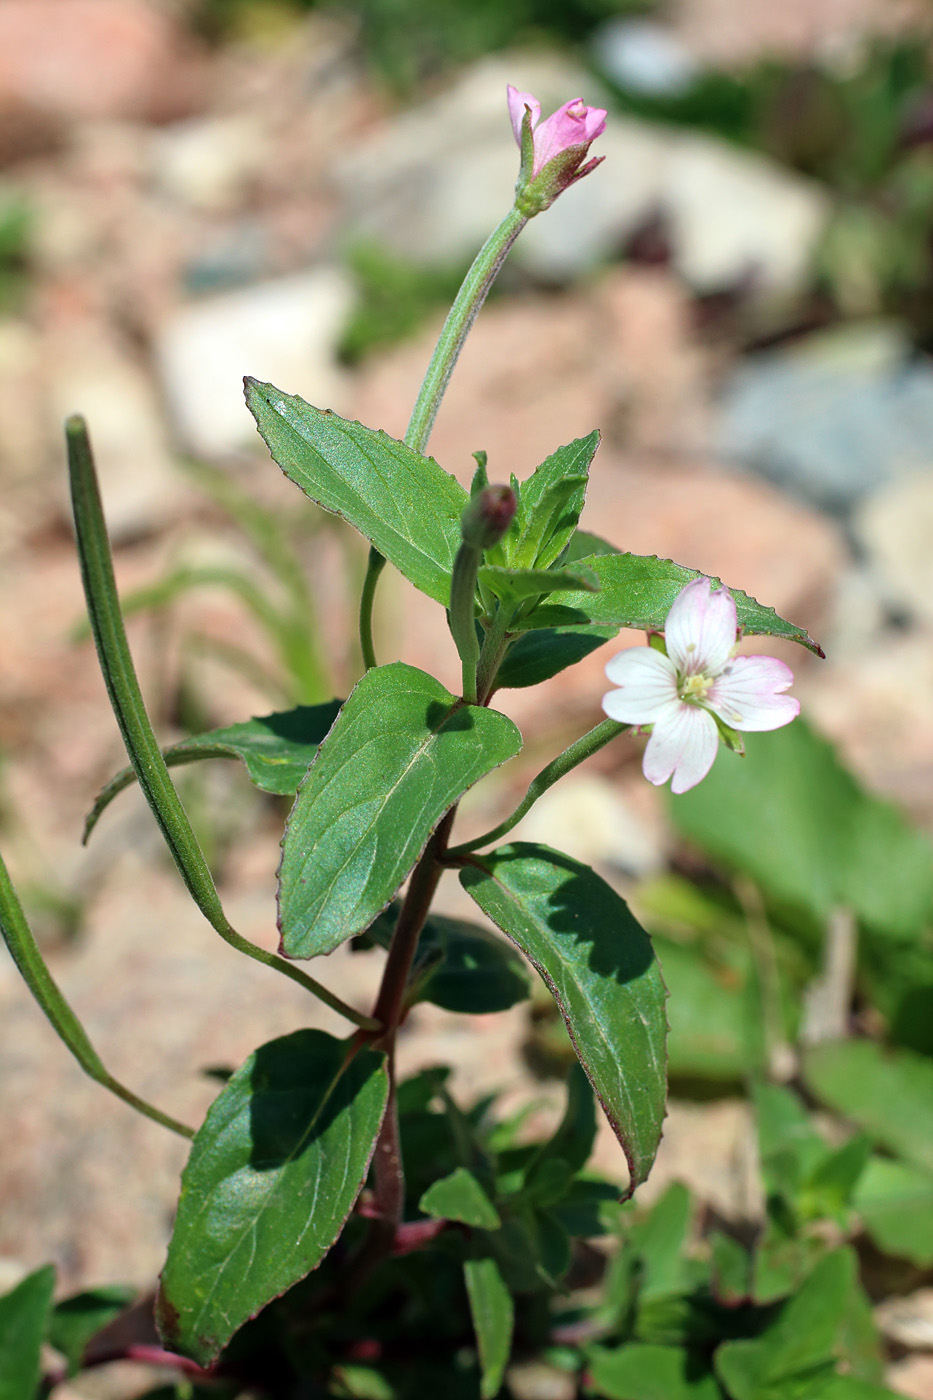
(749, 694)
(518, 101)
(647, 684)
(700, 629)
(682, 747)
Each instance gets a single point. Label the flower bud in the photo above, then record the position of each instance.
(553, 150)
(488, 516)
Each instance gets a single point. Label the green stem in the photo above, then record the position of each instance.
(374, 567)
(116, 664)
(463, 615)
(588, 744)
(24, 950)
(460, 319)
(466, 307)
(495, 645)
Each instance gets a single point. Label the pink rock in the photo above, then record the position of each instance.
(95, 58)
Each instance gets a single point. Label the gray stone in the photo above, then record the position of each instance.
(832, 419)
(93, 375)
(284, 331)
(643, 57)
(895, 528)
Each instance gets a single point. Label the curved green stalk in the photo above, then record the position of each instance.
(18, 937)
(588, 744)
(460, 318)
(142, 747)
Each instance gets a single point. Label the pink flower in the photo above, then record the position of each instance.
(554, 148)
(699, 691)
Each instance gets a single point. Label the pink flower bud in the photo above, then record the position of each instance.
(553, 150)
(488, 516)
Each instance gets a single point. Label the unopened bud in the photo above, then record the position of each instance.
(488, 516)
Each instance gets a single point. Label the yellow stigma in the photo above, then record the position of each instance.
(695, 687)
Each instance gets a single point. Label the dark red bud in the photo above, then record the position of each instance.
(488, 516)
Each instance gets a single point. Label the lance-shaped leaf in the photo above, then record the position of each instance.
(510, 584)
(276, 750)
(493, 1314)
(637, 591)
(24, 1313)
(401, 752)
(538, 655)
(405, 504)
(550, 502)
(273, 1174)
(599, 965)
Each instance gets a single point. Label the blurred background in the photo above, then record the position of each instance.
(741, 298)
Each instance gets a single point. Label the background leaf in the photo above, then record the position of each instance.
(640, 1371)
(401, 752)
(493, 1312)
(536, 656)
(461, 966)
(77, 1319)
(24, 1314)
(887, 1092)
(273, 1174)
(404, 504)
(459, 1196)
(599, 965)
(276, 750)
(895, 1201)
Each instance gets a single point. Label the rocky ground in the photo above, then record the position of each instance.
(190, 212)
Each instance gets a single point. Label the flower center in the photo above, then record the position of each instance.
(693, 688)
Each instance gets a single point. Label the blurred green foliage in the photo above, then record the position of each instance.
(15, 229)
(408, 41)
(394, 298)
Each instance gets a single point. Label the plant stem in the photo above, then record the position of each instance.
(463, 615)
(460, 318)
(588, 744)
(388, 1168)
(374, 567)
(495, 645)
(463, 313)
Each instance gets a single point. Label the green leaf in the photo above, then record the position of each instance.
(273, 1174)
(727, 1046)
(461, 966)
(640, 1371)
(895, 1201)
(476, 973)
(460, 1196)
(551, 501)
(795, 820)
(638, 590)
(573, 1140)
(76, 1320)
(493, 1315)
(404, 504)
(889, 1093)
(116, 664)
(660, 1239)
(536, 656)
(401, 752)
(800, 1343)
(514, 584)
(24, 1313)
(276, 750)
(599, 965)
